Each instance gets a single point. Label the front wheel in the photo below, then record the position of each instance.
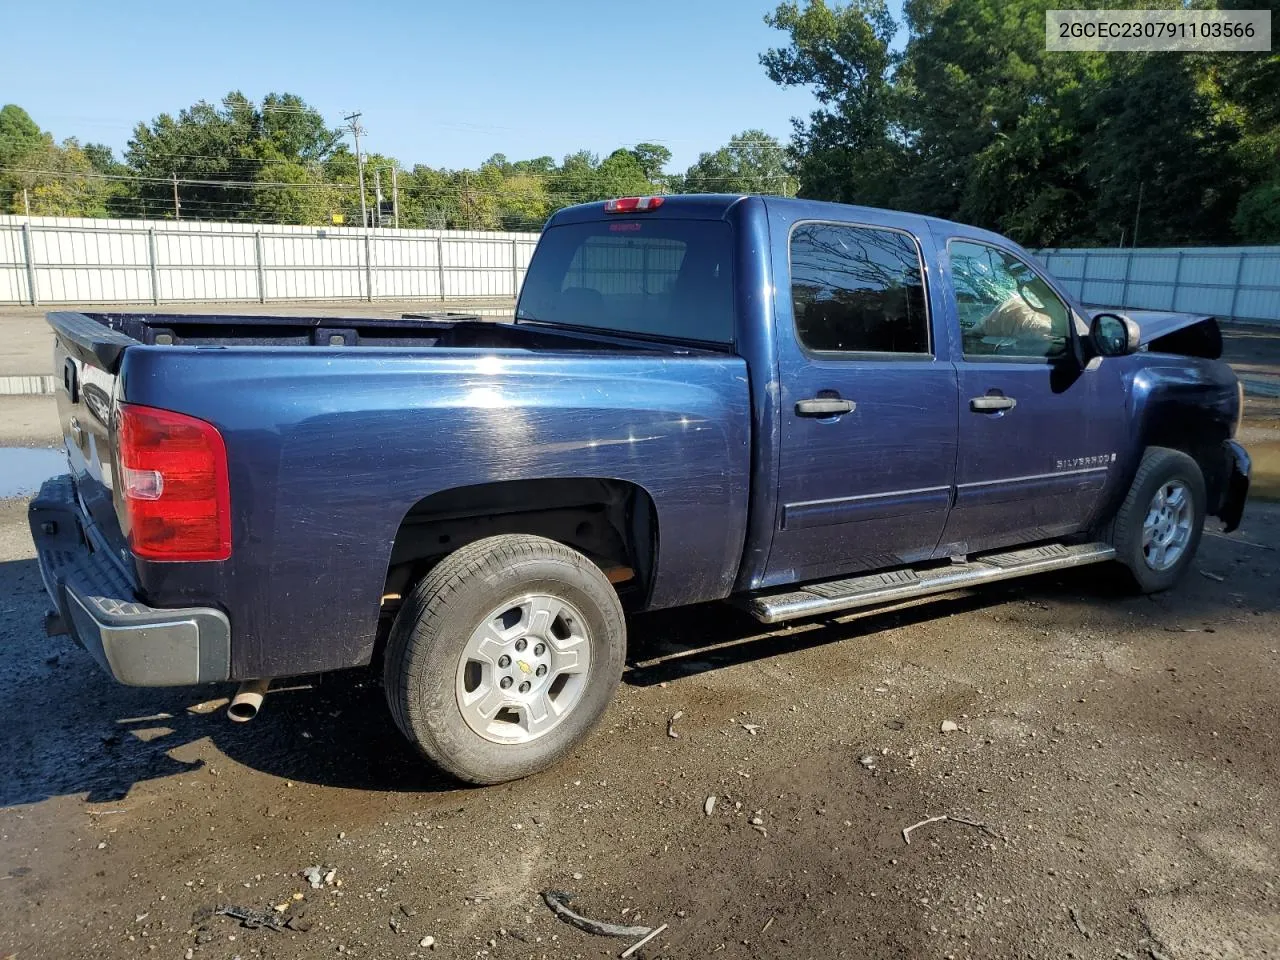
(1158, 527)
(504, 656)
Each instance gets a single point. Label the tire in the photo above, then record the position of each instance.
(1141, 529)
(457, 639)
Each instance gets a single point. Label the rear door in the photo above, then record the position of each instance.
(1039, 433)
(868, 403)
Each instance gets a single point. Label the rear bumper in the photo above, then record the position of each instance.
(1236, 489)
(138, 645)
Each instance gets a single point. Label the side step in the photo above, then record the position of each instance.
(853, 592)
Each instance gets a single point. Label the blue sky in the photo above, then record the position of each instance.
(442, 83)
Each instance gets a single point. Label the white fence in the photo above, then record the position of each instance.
(72, 260)
(1241, 283)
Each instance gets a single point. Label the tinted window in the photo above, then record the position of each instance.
(660, 277)
(857, 288)
(1005, 309)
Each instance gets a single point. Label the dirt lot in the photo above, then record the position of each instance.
(1121, 753)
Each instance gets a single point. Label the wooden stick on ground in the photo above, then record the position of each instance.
(985, 828)
(640, 943)
(906, 831)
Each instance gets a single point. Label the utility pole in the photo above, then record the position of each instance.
(177, 207)
(353, 124)
(1138, 213)
(395, 199)
(26, 202)
(377, 196)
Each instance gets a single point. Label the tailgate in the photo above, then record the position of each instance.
(86, 357)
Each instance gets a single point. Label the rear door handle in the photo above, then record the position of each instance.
(992, 404)
(824, 407)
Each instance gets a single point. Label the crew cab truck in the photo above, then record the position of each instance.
(800, 407)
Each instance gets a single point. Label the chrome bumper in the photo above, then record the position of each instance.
(137, 644)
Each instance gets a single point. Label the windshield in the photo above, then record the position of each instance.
(665, 278)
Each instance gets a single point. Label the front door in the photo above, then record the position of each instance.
(1039, 433)
(868, 403)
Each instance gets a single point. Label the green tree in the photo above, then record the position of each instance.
(1247, 86)
(299, 194)
(846, 150)
(21, 141)
(61, 182)
(751, 162)
(103, 159)
(341, 173)
(49, 179)
(19, 134)
(228, 149)
(295, 130)
(621, 174)
(424, 198)
(575, 181)
(523, 202)
(1180, 159)
(652, 158)
(976, 121)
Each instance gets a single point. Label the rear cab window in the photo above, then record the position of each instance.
(858, 289)
(665, 278)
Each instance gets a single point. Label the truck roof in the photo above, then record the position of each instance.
(714, 206)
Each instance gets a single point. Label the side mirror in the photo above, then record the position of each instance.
(1113, 335)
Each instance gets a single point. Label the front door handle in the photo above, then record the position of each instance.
(992, 404)
(824, 407)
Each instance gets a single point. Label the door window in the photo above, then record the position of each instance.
(1005, 308)
(858, 289)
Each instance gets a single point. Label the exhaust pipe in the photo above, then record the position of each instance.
(247, 702)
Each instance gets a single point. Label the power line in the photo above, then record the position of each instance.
(544, 177)
(460, 191)
(167, 180)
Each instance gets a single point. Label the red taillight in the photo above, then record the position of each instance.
(173, 479)
(632, 204)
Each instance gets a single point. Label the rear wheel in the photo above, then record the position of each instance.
(1158, 527)
(504, 656)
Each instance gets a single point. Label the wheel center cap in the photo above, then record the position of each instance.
(524, 667)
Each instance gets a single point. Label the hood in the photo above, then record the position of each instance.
(1192, 334)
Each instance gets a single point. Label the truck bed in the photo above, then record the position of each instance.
(335, 454)
(101, 338)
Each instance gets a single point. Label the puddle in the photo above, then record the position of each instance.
(1266, 469)
(23, 469)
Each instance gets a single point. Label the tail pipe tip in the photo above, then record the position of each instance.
(247, 702)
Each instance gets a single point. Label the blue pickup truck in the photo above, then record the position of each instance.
(800, 407)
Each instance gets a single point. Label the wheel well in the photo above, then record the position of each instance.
(612, 522)
(1206, 453)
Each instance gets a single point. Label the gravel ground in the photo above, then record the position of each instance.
(1116, 755)
(1121, 752)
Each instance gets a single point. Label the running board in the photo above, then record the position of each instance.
(850, 593)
